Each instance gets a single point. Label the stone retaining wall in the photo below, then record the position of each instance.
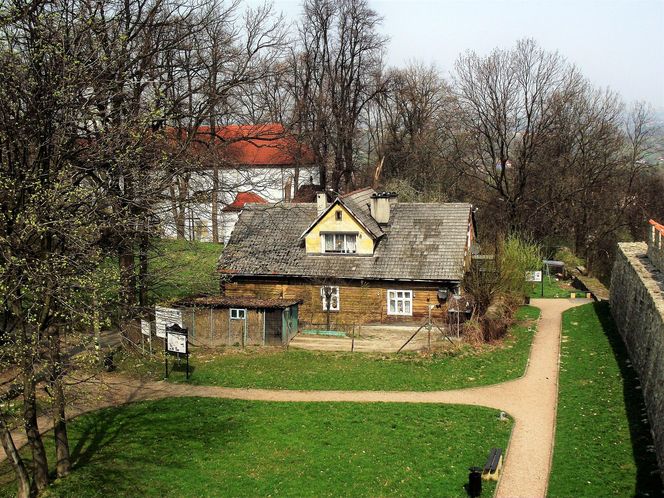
(637, 306)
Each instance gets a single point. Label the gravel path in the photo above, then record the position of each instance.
(531, 400)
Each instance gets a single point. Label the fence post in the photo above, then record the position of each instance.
(352, 344)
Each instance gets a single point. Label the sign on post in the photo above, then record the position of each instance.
(166, 316)
(176, 343)
(534, 276)
(146, 335)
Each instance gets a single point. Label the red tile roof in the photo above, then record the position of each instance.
(258, 145)
(306, 193)
(658, 227)
(243, 198)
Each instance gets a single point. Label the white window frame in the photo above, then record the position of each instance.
(335, 291)
(400, 296)
(238, 313)
(345, 245)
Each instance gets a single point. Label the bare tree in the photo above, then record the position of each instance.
(406, 126)
(503, 115)
(334, 69)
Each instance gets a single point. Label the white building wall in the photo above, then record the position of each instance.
(270, 183)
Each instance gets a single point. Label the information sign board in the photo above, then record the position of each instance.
(164, 317)
(534, 276)
(176, 343)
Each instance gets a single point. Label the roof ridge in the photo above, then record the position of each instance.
(356, 191)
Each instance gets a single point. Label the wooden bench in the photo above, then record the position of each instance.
(493, 465)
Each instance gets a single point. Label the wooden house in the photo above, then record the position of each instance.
(362, 258)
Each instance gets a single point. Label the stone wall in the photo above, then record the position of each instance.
(637, 306)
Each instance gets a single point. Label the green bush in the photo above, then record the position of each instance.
(517, 256)
(566, 255)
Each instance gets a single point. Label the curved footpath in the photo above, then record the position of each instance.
(531, 401)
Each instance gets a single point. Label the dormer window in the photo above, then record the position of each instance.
(339, 243)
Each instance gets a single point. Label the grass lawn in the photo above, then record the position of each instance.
(213, 447)
(552, 288)
(297, 369)
(601, 446)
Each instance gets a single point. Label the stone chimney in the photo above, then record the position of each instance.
(380, 206)
(321, 202)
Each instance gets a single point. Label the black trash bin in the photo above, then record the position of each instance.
(475, 482)
(109, 361)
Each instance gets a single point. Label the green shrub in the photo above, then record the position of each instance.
(566, 255)
(517, 256)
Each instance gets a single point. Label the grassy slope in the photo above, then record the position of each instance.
(177, 268)
(210, 447)
(181, 268)
(601, 438)
(295, 369)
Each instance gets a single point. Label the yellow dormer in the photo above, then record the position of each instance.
(338, 232)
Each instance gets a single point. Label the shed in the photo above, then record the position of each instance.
(554, 267)
(239, 321)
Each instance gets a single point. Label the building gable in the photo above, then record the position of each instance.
(338, 219)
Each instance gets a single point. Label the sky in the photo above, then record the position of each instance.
(617, 44)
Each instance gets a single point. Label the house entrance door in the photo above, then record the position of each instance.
(273, 328)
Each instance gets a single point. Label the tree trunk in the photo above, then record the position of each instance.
(178, 215)
(296, 180)
(127, 279)
(215, 204)
(143, 268)
(63, 460)
(22, 477)
(39, 460)
(378, 171)
(322, 169)
(349, 166)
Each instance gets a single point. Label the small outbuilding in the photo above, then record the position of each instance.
(238, 321)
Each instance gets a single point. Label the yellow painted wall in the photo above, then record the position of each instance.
(329, 223)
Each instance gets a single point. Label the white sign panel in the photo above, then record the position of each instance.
(534, 276)
(145, 327)
(164, 317)
(176, 343)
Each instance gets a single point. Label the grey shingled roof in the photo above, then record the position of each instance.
(421, 242)
(358, 203)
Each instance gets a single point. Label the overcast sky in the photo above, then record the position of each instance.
(616, 43)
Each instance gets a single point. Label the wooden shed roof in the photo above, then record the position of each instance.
(234, 302)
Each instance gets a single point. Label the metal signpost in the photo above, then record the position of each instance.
(176, 343)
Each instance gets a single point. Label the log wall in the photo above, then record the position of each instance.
(359, 303)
